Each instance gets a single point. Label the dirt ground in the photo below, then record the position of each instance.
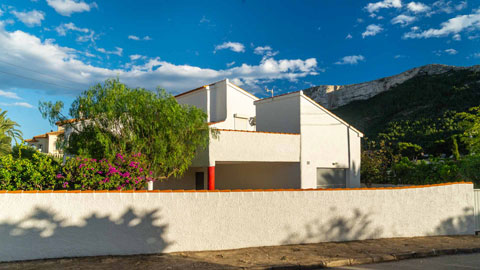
(306, 256)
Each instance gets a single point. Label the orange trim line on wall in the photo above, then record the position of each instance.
(226, 190)
(254, 131)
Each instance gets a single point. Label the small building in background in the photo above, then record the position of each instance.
(286, 141)
(47, 143)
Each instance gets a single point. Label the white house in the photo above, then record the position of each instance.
(47, 143)
(287, 141)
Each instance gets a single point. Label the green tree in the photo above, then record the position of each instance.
(8, 131)
(470, 121)
(117, 119)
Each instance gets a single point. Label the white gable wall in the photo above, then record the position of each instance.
(327, 142)
(240, 108)
(279, 114)
(197, 98)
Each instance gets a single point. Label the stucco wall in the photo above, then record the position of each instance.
(196, 98)
(279, 114)
(46, 225)
(254, 146)
(257, 175)
(327, 143)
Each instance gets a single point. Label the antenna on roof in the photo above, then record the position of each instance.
(269, 90)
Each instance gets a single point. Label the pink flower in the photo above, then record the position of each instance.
(59, 176)
(81, 166)
(120, 156)
(65, 184)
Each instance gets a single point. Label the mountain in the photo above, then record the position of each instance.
(333, 96)
(417, 106)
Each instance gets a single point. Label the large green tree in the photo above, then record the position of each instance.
(116, 119)
(8, 131)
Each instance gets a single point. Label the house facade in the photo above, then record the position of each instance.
(47, 143)
(286, 141)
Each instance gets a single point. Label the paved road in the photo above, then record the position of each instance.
(465, 261)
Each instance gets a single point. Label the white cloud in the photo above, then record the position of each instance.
(17, 104)
(63, 63)
(476, 55)
(7, 94)
(234, 46)
(461, 5)
(64, 27)
(349, 36)
(67, 7)
(372, 30)
(1, 12)
(417, 7)
(457, 37)
(451, 51)
(231, 64)
(452, 26)
(403, 20)
(398, 56)
(443, 6)
(204, 19)
(350, 60)
(30, 18)
(134, 57)
(374, 7)
(118, 51)
(133, 37)
(266, 51)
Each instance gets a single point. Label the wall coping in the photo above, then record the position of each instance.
(226, 190)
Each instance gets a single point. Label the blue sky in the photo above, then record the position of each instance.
(54, 49)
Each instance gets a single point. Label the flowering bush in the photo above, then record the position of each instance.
(122, 173)
(35, 173)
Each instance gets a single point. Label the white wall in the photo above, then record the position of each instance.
(257, 175)
(327, 143)
(279, 114)
(48, 225)
(197, 98)
(241, 103)
(254, 146)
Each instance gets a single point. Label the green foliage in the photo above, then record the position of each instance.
(118, 119)
(24, 151)
(8, 131)
(410, 150)
(376, 162)
(424, 172)
(470, 123)
(421, 111)
(123, 173)
(37, 173)
(470, 169)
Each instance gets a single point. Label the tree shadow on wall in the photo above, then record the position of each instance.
(44, 233)
(461, 224)
(341, 227)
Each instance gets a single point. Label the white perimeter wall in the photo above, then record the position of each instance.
(34, 226)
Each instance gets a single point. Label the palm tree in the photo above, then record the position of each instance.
(8, 131)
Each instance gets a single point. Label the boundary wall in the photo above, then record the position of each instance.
(46, 224)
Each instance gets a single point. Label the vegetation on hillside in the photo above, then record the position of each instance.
(425, 130)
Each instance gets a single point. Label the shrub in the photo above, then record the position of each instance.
(122, 173)
(470, 169)
(424, 172)
(37, 173)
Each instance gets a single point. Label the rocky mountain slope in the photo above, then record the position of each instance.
(333, 96)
